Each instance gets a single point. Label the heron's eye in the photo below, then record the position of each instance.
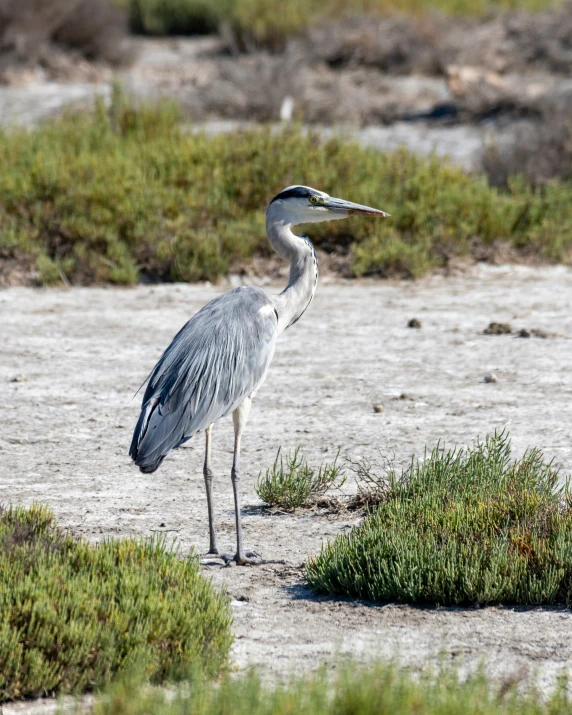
(313, 199)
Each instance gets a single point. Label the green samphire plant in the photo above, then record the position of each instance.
(75, 616)
(459, 527)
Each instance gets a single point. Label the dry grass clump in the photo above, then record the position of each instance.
(75, 616)
(513, 42)
(372, 481)
(460, 527)
(291, 482)
(31, 31)
(541, 152)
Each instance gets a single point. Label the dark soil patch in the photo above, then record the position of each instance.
(498, 329)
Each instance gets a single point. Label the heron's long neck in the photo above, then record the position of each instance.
(298, 294)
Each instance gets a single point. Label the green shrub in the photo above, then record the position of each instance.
(292, 483)
(353, 690)
(116, 195)
(75, 615)
(459, 527)
(176, 17)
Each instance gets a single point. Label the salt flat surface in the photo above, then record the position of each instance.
(78, 356)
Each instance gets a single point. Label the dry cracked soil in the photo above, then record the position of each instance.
(71, 361)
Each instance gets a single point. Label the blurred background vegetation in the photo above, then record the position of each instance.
(127, 190)
(95, 24)
(269, 22)
(128, 193)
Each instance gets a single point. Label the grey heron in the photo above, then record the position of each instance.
(219, 359)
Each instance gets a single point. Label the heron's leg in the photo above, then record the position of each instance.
(239, 417)
(208, 474)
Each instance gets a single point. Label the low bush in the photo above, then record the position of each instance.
(176, 17)
(270, 23)
(353, 690)
(125, 193)
(75, 615)
(540, 152)
(291, 482)
(459, 527)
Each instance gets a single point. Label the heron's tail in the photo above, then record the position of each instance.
(144, 454)
(159, 429)
(149, 468)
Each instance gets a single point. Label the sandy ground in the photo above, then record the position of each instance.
(71, 361)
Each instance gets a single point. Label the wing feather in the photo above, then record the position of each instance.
(219, 358)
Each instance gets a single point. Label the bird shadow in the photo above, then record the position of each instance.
(263, 510)
(298, 513)
(301, 591)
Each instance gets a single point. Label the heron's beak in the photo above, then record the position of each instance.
(348, 208)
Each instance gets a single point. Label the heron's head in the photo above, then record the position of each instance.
(302, 204)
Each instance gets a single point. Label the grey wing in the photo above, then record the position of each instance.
(219, 358)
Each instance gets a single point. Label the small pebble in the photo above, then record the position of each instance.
(162, 524)
(533, 333)
(491, 377)
(414, 323)
(378, 408)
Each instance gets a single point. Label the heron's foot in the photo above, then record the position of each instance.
(248, 558)
(212, 552)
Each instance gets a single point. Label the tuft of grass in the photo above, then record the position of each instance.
(460, 527)
(123, 193)
(74, 615)
(291, 482)
(381, 689)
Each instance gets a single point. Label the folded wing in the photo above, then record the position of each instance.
(219, 358)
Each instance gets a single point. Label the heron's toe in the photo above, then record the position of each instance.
(251, 554)
(248, 558)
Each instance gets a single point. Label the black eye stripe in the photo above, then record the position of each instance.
(297, 192)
